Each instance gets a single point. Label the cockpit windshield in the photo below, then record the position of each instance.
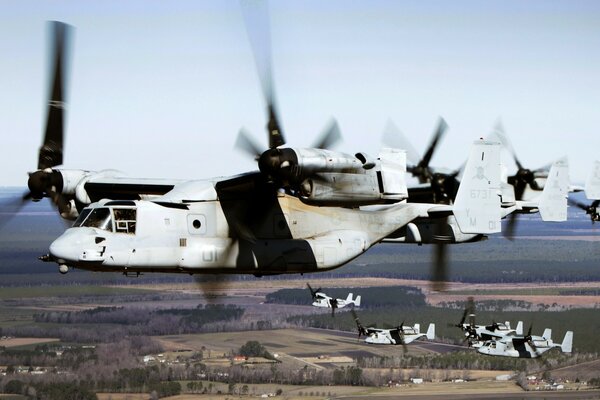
(124, 220)
(96, 218)
(102, 218)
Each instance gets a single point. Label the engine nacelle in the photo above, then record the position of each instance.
(430, 231)
(341, 189)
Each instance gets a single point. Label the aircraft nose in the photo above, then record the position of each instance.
(67, 247)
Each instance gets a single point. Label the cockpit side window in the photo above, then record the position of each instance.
(84, 213)
(125, 220)
(99, 218)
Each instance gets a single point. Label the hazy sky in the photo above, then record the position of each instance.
(161, 88)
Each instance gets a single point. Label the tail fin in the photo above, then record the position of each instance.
(357, 301)
(349, 298)
(431, 332)
(592, 184)
(507, 323)
(567, 343)
(519, 329)
(417, 328)
(393, 172)
(547, 334)
(477, 205)
(553, 200)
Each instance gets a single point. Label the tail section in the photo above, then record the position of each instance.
(417, 328)
(547, 334)
(553, 201)
(357, 301)
(431, 332)
(592, 184)
(519, 329)
(349, 298)
(567, 343)
(477, 205)
(393, 172)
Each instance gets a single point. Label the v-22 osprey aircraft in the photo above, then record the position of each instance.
(299, 213)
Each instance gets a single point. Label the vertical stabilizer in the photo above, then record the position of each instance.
(431, 332)
(349, 298)
(553, 201)
(547, 334)
(567, 343)
(357, 301)
(519, 329)
(417, 328)
(592, 184)
(477, 205)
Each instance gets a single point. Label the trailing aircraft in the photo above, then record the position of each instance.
(400, 335)
(526, 346)
(270, 221)
(320, 299)
(477, 335)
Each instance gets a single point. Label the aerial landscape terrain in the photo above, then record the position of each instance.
(173, 334)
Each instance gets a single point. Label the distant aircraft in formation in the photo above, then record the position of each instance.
(528, 346)
(320, 299)
(476, 335)
(400, 335)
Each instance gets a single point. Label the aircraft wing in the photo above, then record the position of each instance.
(124, 188)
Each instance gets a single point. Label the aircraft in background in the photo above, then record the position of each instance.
(400, 335)
(321, 300)
(526, 346)
(476, 335)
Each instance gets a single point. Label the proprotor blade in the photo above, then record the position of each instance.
(256, 18)
(439, 132)
(329, 136)
(51, 152)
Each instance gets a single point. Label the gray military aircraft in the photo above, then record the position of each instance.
(263, 222)
(528, 346)
(400, 335)
(477, 335)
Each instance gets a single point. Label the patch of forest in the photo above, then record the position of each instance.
(106, 324)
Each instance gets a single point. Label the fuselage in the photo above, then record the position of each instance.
(227, 229)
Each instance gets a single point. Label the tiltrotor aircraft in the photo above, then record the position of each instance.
(400, 335)
(477, 335)
(526, 346)
(321, 300)
(298, 213)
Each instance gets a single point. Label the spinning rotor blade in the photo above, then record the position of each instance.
(329, 136)
(501, 135)
(393, 137)
(471, 308)
(256, 19)
(577, 204)
(334, 305)
(245, 143)
(51, 152)
(212, 285)
(511, 227)
(440, 266)
(439, 132)
(440, 259)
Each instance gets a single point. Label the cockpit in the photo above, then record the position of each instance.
(117, 218)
